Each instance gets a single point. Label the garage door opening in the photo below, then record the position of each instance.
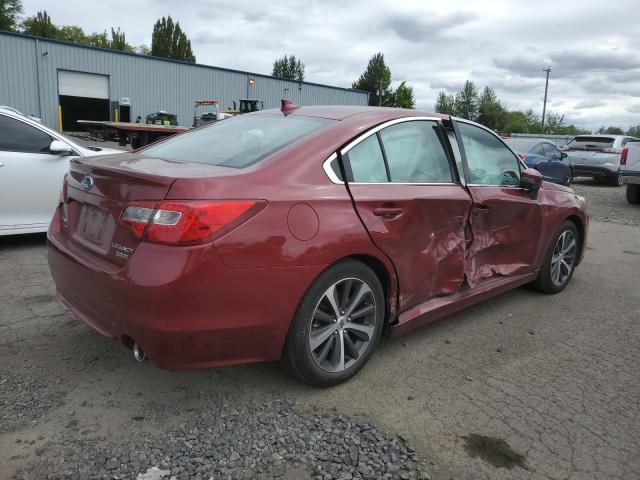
(82, 96)
(82, 108)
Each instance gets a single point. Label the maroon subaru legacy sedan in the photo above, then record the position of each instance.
(304, 234)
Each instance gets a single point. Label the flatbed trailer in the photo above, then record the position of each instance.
(138, 134)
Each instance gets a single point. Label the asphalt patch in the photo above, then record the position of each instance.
(493, 450)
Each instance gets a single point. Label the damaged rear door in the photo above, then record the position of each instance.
(407, 193)
(505, 221)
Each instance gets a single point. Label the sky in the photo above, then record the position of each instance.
(593, 47)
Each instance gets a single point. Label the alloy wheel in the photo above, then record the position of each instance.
(563, 258)
(343, 325)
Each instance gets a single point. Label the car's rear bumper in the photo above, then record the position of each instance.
(630, 177)
(596, 171)
(182, 305)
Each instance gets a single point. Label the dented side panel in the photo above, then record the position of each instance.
(504, 234)
(426, 241)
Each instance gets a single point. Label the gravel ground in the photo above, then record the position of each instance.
(525, 386)
(606, 203)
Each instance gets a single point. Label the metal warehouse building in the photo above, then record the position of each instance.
(62, 82)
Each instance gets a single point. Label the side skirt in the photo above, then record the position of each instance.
(438, 308)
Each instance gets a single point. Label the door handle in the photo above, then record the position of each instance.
(388, 212)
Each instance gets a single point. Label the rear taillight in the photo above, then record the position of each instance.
(623, 156)
(62, 198)
(186, 222)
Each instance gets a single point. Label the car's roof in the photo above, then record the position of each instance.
(341, 112)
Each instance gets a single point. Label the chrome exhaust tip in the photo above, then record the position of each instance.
(138, 353)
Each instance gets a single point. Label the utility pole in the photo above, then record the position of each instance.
(544, 105)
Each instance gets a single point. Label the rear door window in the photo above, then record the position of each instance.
(414, 153)
(17, 136)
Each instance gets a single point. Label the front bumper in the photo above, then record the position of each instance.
(181, 304)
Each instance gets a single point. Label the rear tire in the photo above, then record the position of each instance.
(560, 260)
(337, 325)
(633, 193)
(615, 181)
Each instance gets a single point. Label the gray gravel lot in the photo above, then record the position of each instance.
(525, 386)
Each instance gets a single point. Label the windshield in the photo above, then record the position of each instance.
(591, 142)
(237, 142)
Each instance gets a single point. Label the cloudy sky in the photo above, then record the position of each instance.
(593, 47)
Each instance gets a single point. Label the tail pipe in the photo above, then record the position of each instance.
(138, 353)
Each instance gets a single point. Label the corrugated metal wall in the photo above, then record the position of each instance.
(29, 81)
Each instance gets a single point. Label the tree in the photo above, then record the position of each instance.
(10, 10)
(516, 123)
(491, 114)
(611, 130)
(71, 33)
(100, 40)
(291, 68)
(634, 131)
(445, 104)
(169, 41)
(403, 97)
(119, 42)
(467, 101)
(376, 75)
(142, 49)
(40, 25)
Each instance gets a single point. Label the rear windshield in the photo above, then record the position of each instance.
(236, 142)
(591, 142)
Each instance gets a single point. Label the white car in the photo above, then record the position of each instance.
(33, 162)
(630, 173)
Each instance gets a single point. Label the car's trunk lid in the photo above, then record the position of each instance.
(98, 190)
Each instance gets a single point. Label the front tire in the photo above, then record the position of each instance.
(633, 193)
(560, 260)
(337, 325)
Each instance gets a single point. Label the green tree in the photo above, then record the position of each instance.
(516, 123)
(403, 97)
(71, 33)
(490, 112)
(376, 75)
(291, 68)
(40, 25)
(100, 40)
(554, 124)
(611, 130)
(169, 41)
(142, 49)
(445, 104)
(10, 10)
(634, 131)
(119, 42)
(467, 101)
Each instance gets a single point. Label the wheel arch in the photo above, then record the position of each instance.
(582, 231)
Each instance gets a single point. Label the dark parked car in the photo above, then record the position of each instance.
(544, 156)
(304, 234)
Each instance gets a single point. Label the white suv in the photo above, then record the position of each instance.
(33, 161)
(630, 172)
(599, 156)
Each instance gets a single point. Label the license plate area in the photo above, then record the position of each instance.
(92, 224)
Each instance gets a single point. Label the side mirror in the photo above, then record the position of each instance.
(563, 155)
(58, 147)
(531, 180)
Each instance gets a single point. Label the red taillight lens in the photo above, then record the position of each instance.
(62, 198)
(185, 222)
(623, 156)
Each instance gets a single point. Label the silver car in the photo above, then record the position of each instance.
(598, 156)
(33, 161)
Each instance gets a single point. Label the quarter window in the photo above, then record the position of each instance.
(366, 162)
(414, 153)
(490, 161)
(16, 136)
